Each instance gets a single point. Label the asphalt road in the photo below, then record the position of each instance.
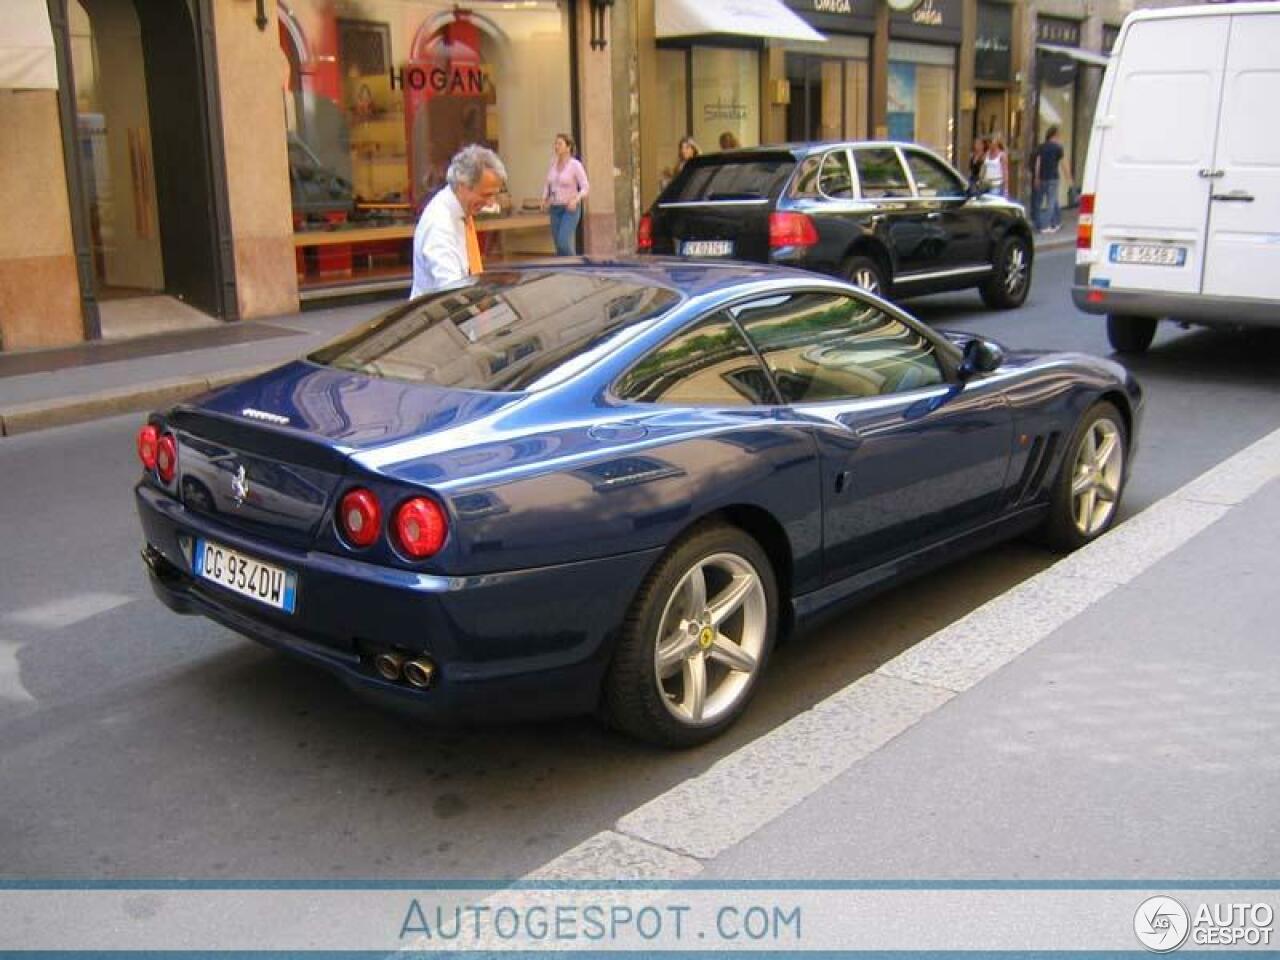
(138, 744)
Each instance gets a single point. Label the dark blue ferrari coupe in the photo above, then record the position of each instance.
(611, 486)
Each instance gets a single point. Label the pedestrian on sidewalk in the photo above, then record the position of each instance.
(562, 196)
(445, 245)
(995, 167)
(1047, 163)
(977, 157)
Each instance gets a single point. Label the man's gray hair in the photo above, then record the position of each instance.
(469, 164)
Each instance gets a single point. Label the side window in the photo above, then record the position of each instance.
(710, 364)
(835, 180)
(880, 173)
(932, 178)
(805, 184)
(822, 346)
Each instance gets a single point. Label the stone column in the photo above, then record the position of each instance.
(39, 287)
(596, 127)
(880, 75)
(257, 159)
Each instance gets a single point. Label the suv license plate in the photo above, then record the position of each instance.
(1149, 254)
(264, 582)
(707, 248)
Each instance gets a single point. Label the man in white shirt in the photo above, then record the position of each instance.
(445, 246)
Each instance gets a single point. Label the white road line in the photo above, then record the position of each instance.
(670, 836)
(66, 611)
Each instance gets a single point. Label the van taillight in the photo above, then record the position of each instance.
(791, 230)
(1084, 227)
(644, 233)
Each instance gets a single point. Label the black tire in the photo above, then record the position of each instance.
(634, 700)
(1010, 278)
(1061, 530)
(1129, 334)
(867, 274)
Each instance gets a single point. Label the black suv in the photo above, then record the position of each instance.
(892, 218)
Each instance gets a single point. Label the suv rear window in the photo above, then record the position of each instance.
(731, 178)
(507, 332)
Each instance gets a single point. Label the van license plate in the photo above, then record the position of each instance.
(1148, 254)
(707, 248)
(264, 582)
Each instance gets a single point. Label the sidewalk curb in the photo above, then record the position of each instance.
(676, 833)
(43, 414)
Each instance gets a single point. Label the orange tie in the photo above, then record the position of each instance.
(474, 263)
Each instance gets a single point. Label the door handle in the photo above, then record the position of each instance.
(1235, 196)
(1209, 174)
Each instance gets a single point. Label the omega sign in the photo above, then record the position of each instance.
(833, 6)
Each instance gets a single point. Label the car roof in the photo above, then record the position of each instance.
(688, 277)
(804, 148)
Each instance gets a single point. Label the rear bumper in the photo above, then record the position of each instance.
(512, 645)
(1191, 308)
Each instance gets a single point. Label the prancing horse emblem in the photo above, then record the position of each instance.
(239, 486)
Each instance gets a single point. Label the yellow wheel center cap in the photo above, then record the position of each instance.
(705, 638)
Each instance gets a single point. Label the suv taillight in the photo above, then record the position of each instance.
(421, 527)
(644, 233)
(1084, 226)
(359, 517)
(791, 230)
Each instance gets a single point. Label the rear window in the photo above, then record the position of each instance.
(507, 332)
(731, 178)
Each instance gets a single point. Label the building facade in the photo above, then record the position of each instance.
(238, 158)
(245, 157)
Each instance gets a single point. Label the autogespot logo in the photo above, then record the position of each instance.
(1161, 924)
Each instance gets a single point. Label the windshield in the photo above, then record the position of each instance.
(507, 332)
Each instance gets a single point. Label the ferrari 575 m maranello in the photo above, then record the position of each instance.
(612, 486)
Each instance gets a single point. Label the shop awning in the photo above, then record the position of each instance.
(749, 18)
(26, 47)
(1076, 54)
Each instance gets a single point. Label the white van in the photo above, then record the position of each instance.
(1180, 209)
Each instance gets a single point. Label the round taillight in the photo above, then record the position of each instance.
(148, 443)
(359, 517)
(166, 458)
(421, 527)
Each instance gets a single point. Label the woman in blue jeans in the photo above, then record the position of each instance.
(562, 196)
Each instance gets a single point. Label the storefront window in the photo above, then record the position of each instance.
(379, 94)
(725, 85)
(921, 106)
(673, 120)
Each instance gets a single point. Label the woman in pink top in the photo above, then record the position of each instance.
(563, 194)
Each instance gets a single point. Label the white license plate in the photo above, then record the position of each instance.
(1149, 254)
(264, 582)
(707, 248)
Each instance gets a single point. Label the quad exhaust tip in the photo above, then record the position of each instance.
(419, 673)
(390, 666)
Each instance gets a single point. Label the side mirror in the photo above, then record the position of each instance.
(980, 356)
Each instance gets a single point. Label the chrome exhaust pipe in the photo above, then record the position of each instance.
(389, 665)
(420, 672)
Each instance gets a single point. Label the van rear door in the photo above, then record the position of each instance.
(1155, 139)
(1243, 258)
(719, 206)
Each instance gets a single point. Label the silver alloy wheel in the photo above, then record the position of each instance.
(1096, 477)
(865, 278)
(1015, 269)
(711, 639)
